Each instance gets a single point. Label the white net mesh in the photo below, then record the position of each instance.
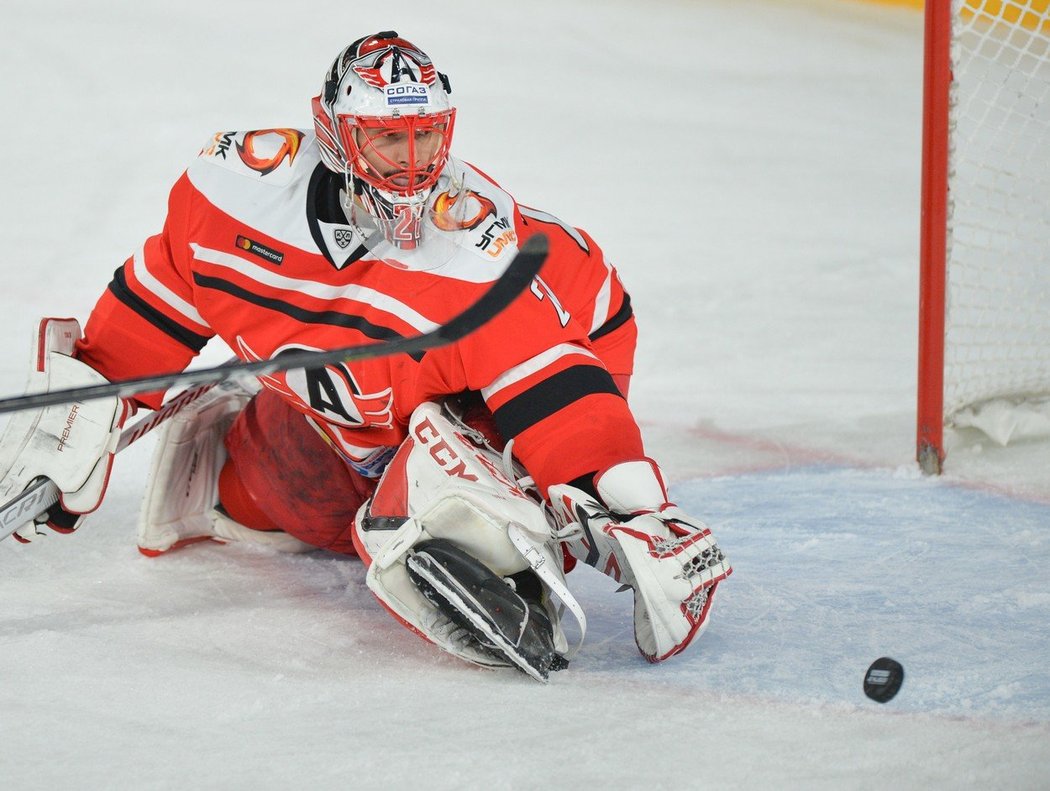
(998, 317)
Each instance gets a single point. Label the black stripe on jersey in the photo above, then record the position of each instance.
(617, 320)
(551, 395)
(119, 288)
(332, 318)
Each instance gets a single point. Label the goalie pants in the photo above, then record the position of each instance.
(281, 475)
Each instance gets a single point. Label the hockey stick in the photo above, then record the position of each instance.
(37, 498)
(40, 496)
(518, 275)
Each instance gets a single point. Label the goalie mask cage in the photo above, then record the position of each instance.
(984, 328)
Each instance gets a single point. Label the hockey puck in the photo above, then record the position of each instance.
(883, 679)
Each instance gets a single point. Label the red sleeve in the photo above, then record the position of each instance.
(616, 349)
(145, 322)
(566, 415)
(588, 287)
(593, 432)
(548, 391)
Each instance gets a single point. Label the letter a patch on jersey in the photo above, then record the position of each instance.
(331, 392)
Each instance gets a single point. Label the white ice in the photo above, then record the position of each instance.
(753, 170)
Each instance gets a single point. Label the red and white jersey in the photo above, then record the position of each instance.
(258, 250)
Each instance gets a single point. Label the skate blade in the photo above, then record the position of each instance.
(433, 575)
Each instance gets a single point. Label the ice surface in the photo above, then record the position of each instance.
(752, 168)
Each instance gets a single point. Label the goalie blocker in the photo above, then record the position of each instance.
(70, 444)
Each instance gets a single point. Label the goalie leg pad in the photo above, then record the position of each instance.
(391, 581)
(179, 507)
(460, 494)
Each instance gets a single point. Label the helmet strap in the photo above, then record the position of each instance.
(350, 203)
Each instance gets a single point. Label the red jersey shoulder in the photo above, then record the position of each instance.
(577, 282)
(259, 179)
(497, 224)
(577, 271)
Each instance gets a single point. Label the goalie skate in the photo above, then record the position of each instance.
(501, 620)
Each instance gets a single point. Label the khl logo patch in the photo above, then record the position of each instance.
(343, 237)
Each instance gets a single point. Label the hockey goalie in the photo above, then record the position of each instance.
(468, 479)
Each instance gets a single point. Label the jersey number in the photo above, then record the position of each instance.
(543, 291)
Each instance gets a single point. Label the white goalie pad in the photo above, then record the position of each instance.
(447, 485)
(70, 444)
(183, 487)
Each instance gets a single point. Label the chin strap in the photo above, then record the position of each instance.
(349, 201)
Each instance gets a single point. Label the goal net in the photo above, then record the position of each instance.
(986, 221)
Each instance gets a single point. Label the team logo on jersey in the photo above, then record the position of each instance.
(334, 394)
(330, 392)
(265, 149)
(471, 212)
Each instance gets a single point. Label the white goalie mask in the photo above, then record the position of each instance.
(384, 121)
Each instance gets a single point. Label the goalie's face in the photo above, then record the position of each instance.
(404, 155)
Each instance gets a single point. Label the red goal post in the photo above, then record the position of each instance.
(984, 327)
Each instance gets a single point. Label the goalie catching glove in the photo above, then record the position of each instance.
(637, 537)
(70, 444)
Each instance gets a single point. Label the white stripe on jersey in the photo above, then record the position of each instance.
(161, 291)
(601, 302)
(542, 216)
(531, 366)
(312, 288)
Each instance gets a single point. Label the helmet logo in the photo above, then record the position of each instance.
(394, 64)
